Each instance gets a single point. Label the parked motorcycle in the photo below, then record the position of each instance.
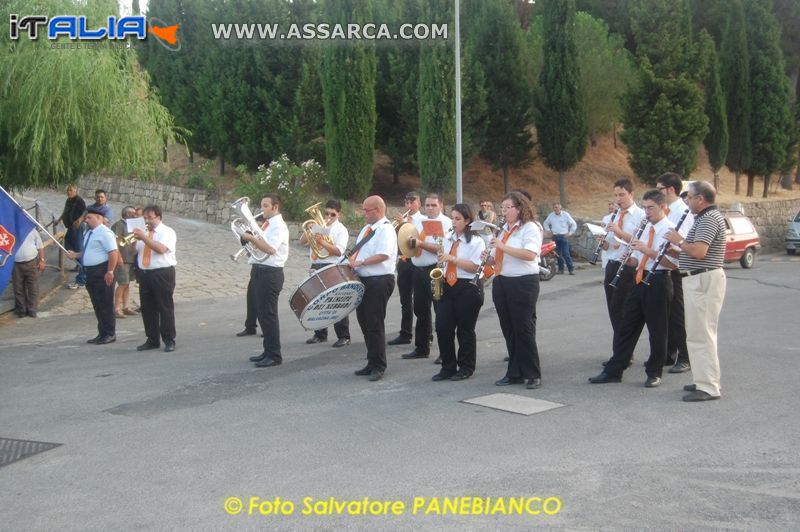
(548, 261)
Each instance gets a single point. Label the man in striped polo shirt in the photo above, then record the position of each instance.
(701, 256)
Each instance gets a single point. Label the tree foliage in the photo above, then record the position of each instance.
(716, 142)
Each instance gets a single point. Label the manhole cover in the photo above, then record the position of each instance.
(13, 450)
(516, 404)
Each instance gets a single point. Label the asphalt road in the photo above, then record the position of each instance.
(161, 441)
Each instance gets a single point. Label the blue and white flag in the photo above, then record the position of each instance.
(15, 224)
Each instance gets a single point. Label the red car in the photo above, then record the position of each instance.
(741, 241)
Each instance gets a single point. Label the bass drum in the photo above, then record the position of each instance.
(327, 296)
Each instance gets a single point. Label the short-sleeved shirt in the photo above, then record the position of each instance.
(676, 210)
(29, 249)
(470, 251)
(709, 227)
(338, 233)
(276, 235)
(527, 236)
(432, 229)
(108, 214)
(128, 253)
(164, 235)
(383, 243)
(97, 244)
(661, 228)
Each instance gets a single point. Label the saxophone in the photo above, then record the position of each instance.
(437, 274)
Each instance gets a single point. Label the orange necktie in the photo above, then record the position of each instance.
(147, 251)
(366, 234)
(452, 270)
(640, 269)
(498, 256)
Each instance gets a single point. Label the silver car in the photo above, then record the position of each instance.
(792, 237)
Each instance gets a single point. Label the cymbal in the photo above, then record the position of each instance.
(404, 232)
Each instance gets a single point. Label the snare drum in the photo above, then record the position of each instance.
(327, 296)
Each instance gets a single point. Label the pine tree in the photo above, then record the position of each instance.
(735, 77)
(662, 30)
(348, 88)
(716, 142)
(771, 116)
(560, 116)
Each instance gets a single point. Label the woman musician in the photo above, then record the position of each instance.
(461, 300)
(515, 289)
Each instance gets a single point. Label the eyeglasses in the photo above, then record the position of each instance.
(369, 210)
(331, 214)
(505, 206)
(651, 207)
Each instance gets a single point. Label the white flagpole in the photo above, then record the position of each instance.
(41, 228)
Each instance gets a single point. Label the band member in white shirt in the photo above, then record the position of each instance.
(612, 209)
(432, 231)
(461, 299)
(267, 277)
(515, 289)
(337, 232)
(648, 303)
(405, 274)
(373, 260)
(156, 259)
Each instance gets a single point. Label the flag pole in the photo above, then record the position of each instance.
(34, 220)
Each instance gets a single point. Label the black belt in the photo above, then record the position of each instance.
(697, 271)
(97, 266)
(156, 269)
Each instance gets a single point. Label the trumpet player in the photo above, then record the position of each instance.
(432, 231)
(461, 299)
(267, 277)
(334, 249)
(648, 304)
(124, 271)
(515, 289)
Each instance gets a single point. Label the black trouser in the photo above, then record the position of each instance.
(646, 305)
(155, 298)
(676, 339)
(615, 297)
(515, 302)
(102, 297)
(267, 285)
(250, 319)
(341, 327)
(371, 314)
(25, 278)
(422, 308)
(456, 316)
(405, 285)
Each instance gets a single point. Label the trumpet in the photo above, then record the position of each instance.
(437, 274)
(396, 225)
(628, 253)
(600, 244)
(126, 240)
(306, 229)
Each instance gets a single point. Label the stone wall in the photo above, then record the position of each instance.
(771, 219)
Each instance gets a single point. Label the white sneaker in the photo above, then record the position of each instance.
(74, 286)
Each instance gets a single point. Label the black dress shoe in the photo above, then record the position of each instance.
(506, 359)
(461, 375)
(399, 341)
(534, 383)
(106, 340)
(341, 342)
(680, 367)
(94, 340)
(652, 382)
(438, 360)
(31, 313)
(505, 381)
(415, 354)
(604, 378)
(316, 340)
(375, 375)
(268, 363)
(363, 372)
(698, 396)
(246, 332)
(258, 358)
(147, 345)
(169, 347)
(690, 388)
(441, 376)
(630, 363)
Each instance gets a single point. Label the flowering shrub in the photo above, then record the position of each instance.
(295, 184)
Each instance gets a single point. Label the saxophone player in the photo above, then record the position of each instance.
(431, 230)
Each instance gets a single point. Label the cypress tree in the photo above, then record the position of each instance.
(560, 117)
(735, 77)
(771, 117)
(716, 142)
(436, 138)
(348, 88)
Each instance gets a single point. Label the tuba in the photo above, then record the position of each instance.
(245, 222)
(306, 229)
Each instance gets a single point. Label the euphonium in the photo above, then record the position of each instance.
(245, 222)
(437, 274)
(126, 240)
(316, 219)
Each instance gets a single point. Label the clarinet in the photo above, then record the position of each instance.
(475, 280)
(663, 251)
(600, 244)
(628, 253)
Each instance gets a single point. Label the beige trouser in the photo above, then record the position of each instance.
(703, 295)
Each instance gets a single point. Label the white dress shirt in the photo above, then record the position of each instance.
(633, 217)
(470, 251)
(276, 235)
(427, 258)
(384, 242)
(560, 224)
(603, 252)
(338, 233)
(676, 210)
(661, 227)
(164, 235)
(527, 236)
